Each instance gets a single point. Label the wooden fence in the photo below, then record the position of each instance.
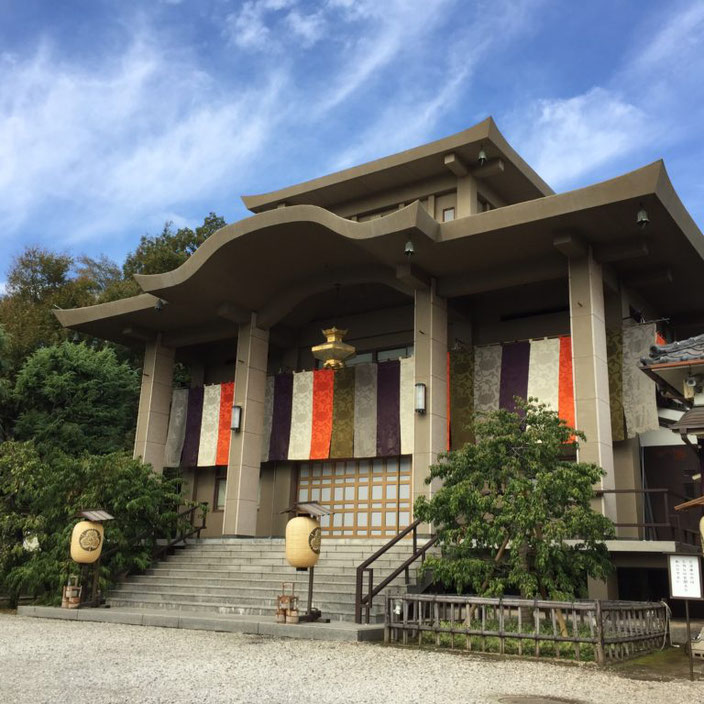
(599, 631)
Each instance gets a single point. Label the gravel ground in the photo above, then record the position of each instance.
(64, 661)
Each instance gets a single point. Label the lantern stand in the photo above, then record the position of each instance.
(95, 516)
(315, 511)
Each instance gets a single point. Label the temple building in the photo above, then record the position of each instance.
(462, 281)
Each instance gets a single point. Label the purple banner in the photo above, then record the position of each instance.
(515, 358)
(388, 429)
(189, 456)
(281, 417)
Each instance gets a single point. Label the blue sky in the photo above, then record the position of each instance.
(116, 116)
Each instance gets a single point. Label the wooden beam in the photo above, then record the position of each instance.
(571, 245)
(456, 165)
(525, 273)
(233, 313)
(650, 278)
(137, 333)
(493, 167)
(413, 276)
(607, 253)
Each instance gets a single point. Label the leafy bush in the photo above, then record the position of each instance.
(74, 398)
(40, 495)
(513, 513)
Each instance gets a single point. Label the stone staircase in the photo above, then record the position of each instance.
(244, 575)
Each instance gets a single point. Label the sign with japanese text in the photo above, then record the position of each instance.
(685, 576)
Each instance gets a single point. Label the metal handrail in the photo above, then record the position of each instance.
(364, 601)
(678, 532)
(160, 549)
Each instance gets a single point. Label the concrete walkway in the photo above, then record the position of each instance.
(227, 623)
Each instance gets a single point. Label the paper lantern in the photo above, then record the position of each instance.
(302, 541)
(86, 542)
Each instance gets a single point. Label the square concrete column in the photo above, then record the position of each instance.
(154, 404)
(590, 367)
(242, 488)
(430, 353)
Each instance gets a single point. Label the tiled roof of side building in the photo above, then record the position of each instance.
(689, 350)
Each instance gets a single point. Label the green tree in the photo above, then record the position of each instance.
(40, 495)
(509, 504)
(38, 282)
(160, 253)
(75, 398)
(6, 410)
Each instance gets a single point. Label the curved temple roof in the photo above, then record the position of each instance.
(408, 166)
(269, 262)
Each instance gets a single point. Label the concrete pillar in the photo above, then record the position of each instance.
(606, 590)
(466, 196)
(154, 404)
(241, 494)
(591, 377)
(430, 353)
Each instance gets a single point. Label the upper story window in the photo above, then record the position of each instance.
(448, 214)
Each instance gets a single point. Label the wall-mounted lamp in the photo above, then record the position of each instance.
(236, 420)
(420, 398)
(409, 250)
(642, 218)
(481, 157)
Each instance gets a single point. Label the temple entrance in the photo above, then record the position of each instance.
(368, 498)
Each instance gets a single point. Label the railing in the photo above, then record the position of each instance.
(363, 602)
(600, 631)
(157, 551)
(184, 534)
(657, 505)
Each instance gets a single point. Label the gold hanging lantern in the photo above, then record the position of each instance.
(334, 352)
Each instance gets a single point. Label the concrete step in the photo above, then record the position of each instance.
(333, 612)
(263, 589)
(198, 583)
(244, 576)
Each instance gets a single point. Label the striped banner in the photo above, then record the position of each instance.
(199, 426)
(301, 416)
(365, 410)
(536, 368)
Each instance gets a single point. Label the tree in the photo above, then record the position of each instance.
(160, 253)
(508, 505)
(6, 412)
(37, 282)
(40, 495)
(77, 399)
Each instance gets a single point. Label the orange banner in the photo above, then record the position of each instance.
(323, 387)
(226, 395)
(566, 384)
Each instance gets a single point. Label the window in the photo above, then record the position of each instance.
(220, 484)
(448, 214)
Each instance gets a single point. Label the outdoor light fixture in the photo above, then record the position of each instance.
(481, 157)
(420, 398)
(409, 250)
(642, 218)
(236, 420)
(159, 305)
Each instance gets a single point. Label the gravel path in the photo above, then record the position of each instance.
(63, 661)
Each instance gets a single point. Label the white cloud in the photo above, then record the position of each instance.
(251, 27)
(655, 97)
(108, 146)
(443, 71)
(308, 28)
(564, 139)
